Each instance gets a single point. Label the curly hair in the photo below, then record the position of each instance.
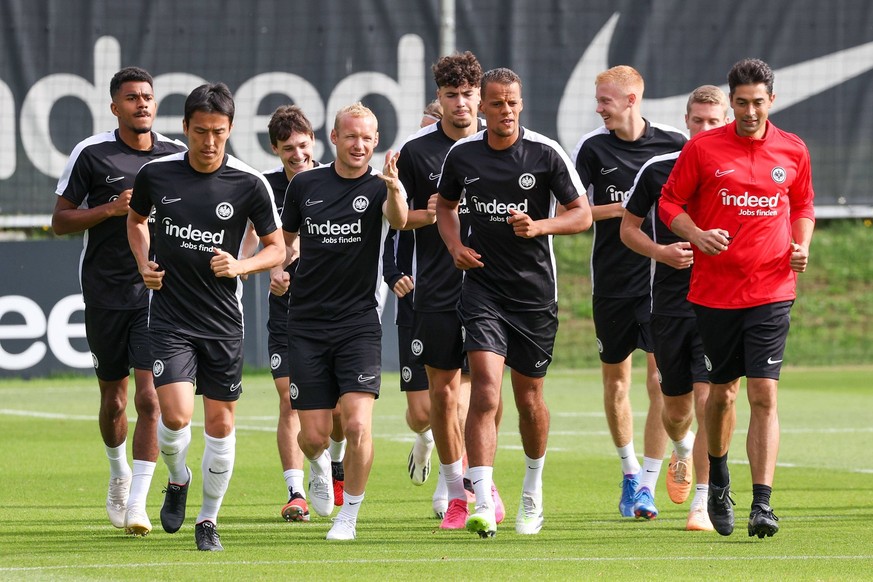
(456, 70)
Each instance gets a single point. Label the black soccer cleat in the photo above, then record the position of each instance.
(207, 537)
(762, 521)
(173, 509)
(719, 505)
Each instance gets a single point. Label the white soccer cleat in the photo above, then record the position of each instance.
(136, 522)
(321, 494)
(529, 520)
(343, 529)
(419, 460)
(482, 522)
(116, 499)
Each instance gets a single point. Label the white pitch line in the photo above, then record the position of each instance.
(448, 559)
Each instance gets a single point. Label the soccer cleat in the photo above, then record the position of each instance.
(762, 521)
(482, 522)
(320, 495)
(529, 520)
(419, 460)
(698, 519)
(116, 500)
(456, 515)
(173, 509)
(719, 506)
(499, 509)
(440, 498)
(207, 537)
(678, 478)
(468, 487)
(343, 529)
(644, 504)
(628, 492)
(338, 476)
(136, 522)
(296, 508)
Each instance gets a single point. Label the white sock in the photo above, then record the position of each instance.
(143, 471)
(684, 447)
(649, 474)
(700, 494)
(321, 466)
(337, 450)
(118, 467)
(482, 478)
(533, 475)
(174, 451)
(217, 466)
(629, 463)
(294, 481)
(453, 474)
(441, 490)
(351, 505)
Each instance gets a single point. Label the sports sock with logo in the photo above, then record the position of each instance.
(482, 479)
(533, 475)
(294, 481)
(629, 463)
(217, 466)
(351, 506)
(174, 450)
(649, 474)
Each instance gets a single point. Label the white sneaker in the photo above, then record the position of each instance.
(116, 499)
(343, 529)
(320, 494)
(482, 522)
(136, 522)
(440, 497)
(529, 520)
(419, 460)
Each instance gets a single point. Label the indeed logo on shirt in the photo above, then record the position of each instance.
(498, 210)
(332, 228)
(766, 204)
(616, 195)
(189, 233)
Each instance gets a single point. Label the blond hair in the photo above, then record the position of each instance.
(354, 110)
(707, 94)
(623, 76)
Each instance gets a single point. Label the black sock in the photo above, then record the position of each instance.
(761, 494)
(718, 471)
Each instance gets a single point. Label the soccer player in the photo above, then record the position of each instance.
(678, 350)
(513, 179)
(432, 113)
(437, 336)
(607, 160)
(93, 195)
(203, 201)
(742, 196)
(341, 213)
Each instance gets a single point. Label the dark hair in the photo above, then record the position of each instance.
(288, 119)
(127, 75)
(750, 72)
(457, 69)
(500, 76)
(210, 98)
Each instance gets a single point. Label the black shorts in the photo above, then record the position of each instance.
(438, 340)
(327, 363)
(622, 326)
(214, 366)
(118, 340)
(526, 339)
(678, 353)
(413, 378)
(744, 342)
(277, 335)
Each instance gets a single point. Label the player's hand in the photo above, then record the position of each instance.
(121, 204)
(523, 225)
(389, 173)
(224, 264)
(431, 207)
(713, 242)
(799, 258)
(403, 286)
(466, 258)
(152, 276)
(677, 255)
(280, 281)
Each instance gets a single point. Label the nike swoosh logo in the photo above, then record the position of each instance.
(235, 387)
(541, 363)
(470, 180)
(218, 472)
(720, 173)
(354, 503)
(479, 481)
(606, 171)
(770, 360)
(650, 471)
(166, 200)
(310, 202)
(110, 180)
(805, 79)
(434, 176)
(362, 378)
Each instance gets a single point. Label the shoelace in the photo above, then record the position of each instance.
(345, 523)
(530, 506)
(210, 533)
(726, 493)
(320, 488)
(116, 497)
(681, 469)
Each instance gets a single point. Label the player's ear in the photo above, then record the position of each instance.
(185, 127)
(376, 141)
(333, 136)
